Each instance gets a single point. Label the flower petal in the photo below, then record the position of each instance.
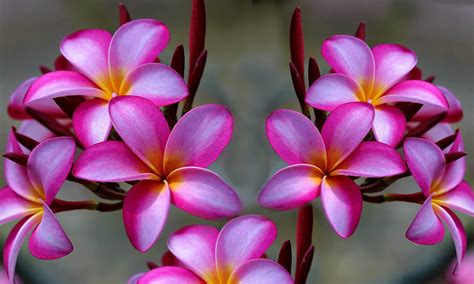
(414, 91)
(291, 187)
(455, 112)
(459, 198)
(344, 129)
(145, 211)
(195, 246)
(14, 241)
(438, 132)
(142, 127)
(372, 159)
(91, 122)
(295, 138)
(203, 193)
(110, 161)
(16, 175)
(88, 51)
(135, 43)
(13, 207)
(333, 90)
(456, 229)
(48, 240)
(342, 203)
(392, 63)
(170, 275)
(35, 130)
(16, 108)
(58, 153)
(425, 161)
(350, 56)
(262, 271)
(455, 170)
(242, 239)
(426, 228)
(60, 84)
(389, 125)
(199, 137)
(156, 82)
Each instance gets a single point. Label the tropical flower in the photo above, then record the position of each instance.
(233, 255)
(170, 166)
(443, 186)
(110, 66)
(322, 162)
(28, 195)
(375, 76)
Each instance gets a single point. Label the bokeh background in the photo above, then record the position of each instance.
(247, 70)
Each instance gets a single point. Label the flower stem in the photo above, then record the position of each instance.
(417, 197)
(62, 205)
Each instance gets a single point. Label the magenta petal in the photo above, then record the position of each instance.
(16, 108)
(195, 246)
(392, 63)
(438, 132)
(203, 193)
(342, 203)
(350, 56)
(91, 122)
(13, 207)
(156, 82)
(389, 125)
(295, 138)
(14, 241)
(455, 170)
(242, 239)
(415, 91)
(333, 90)
(261, 271)
(456, 229)
(372, 159)
(48, 240)
(135, 43)
(142, 127)
(58, 153)
(170, 275)
(199, 137)
(425, 161)
(88, 51)
(35, 130)
(59, 84)
(145, 211)
(460, 198)
(344, 129)
(455, 112)
(426, 228)
(291, 187)
(110, 161)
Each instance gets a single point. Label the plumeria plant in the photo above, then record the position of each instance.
(113, 100)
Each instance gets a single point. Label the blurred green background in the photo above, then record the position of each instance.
(247, 70)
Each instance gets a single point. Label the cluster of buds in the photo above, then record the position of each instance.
(112, 98)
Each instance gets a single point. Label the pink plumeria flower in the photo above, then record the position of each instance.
(444, 188)
(29, 193)
(322, 162)
(111, 66)
(232, 255)
(170, 166)
(375, 76)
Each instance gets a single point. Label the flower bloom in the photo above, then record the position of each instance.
(169, 166)
(375, 76)
(232, 255)
(443, 186)
(322, 162)
(110, 66)
(29, 193)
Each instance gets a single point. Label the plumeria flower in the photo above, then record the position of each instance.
(375, 76)
(322, 162)
(29, 193)
(444, 189)
(111, 66)
(232, 255)
(169, 166)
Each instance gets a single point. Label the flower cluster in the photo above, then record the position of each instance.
(113, 100)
